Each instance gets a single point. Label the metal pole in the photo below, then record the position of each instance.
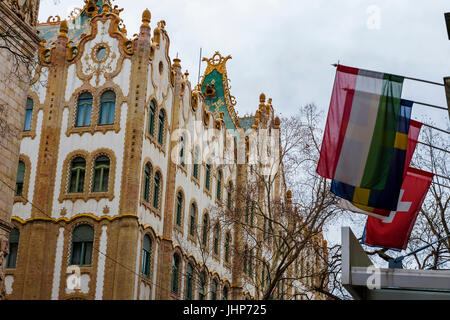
(396, 263)
(405, 77)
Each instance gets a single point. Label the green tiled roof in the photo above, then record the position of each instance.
(80, 25)
(246, 122)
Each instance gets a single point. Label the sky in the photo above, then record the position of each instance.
(286, 48)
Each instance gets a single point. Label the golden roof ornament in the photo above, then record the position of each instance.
(277, 123)
(176, 62)
(63, 28)
(146, 17)
(106, 8)
(262, 98)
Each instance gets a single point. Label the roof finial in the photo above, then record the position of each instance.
(63, 28)
(146, 17)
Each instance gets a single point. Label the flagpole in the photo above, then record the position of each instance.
(396, 263)
(409, 78)
(430, 105)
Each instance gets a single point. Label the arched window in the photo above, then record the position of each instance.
(229, 195)
(11, 260)
(183, 150)
(20, 179)
(156, 190)
(101, 174)
(227, 247)
(216, 239)
(179, 208)
(162, 117)
(77, 175)
(82, 243)
(214, 286)
(192, 219)
(175, 273)
(28, 115)
(146, 256)
(84, 110)
(195, 172)
(225, 292)
(107, 108)
(202, 288)
(189, 281)
(147, 179)
(219, 185)
(205, 229)
(151, 119)
(208, 176)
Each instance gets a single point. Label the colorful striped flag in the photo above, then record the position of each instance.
(393, 232)
(366, 128)
(390, 194)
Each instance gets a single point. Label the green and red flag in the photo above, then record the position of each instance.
(366, 136)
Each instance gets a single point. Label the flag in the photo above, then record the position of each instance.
(392, 191)
(393, 232)
(364, 129)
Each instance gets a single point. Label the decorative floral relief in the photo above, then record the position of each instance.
(101, 59)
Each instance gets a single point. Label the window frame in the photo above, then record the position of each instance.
(110, 104)
(87, 104)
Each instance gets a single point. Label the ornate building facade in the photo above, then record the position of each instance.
(103, 210)
(18, 44)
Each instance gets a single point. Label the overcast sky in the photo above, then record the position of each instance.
(285, 48)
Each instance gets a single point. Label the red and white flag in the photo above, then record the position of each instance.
(394, 231)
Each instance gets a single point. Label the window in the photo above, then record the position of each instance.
(216, 239)
(28, 115)
(208, 176)
(146, 256)
(161, 127)
(196, 162)
(77, 175)
(156, 190)
(214, 290)
(202, 289)
(225, 293)
(189, 281)
(101, 174)
(182, 150)
(84, 110)
(11, 259)
(192, 220)
(175, 272)
(229, 195)
(20, 179)
(151, 120)
(219, 185)
(205, 229)
(227, 247)
(107, 108)
(82, 243)
(147, 179)
(179, 208)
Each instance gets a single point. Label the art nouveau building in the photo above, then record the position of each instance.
(97, 191)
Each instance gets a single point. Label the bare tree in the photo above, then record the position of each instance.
(282, 253)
